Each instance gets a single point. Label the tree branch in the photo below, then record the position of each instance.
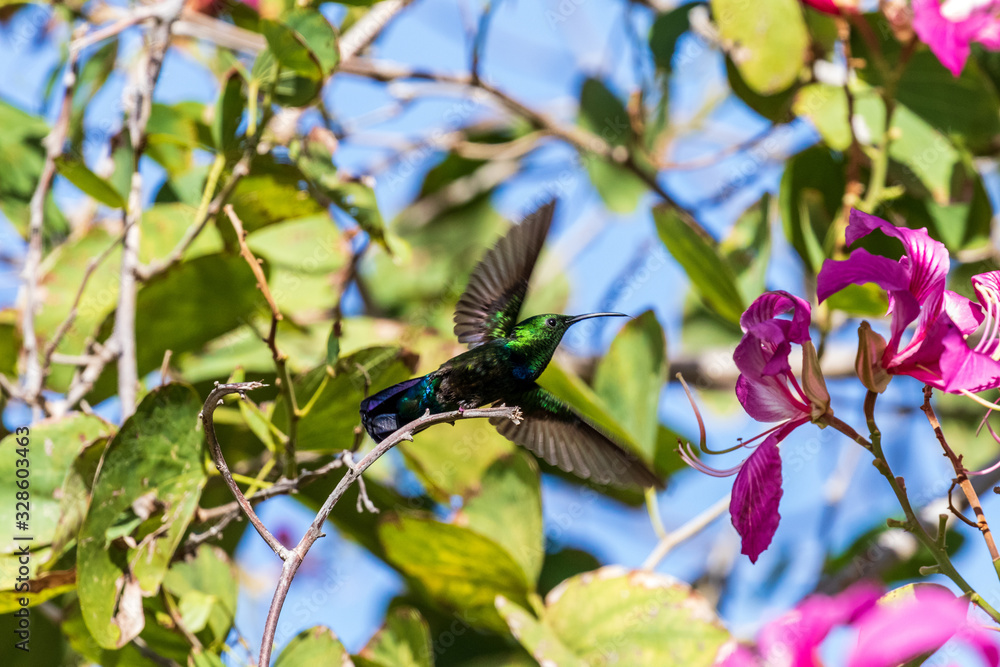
(293, 558)
(214, 400)
(962, 478)
(54, 142)
(138, 99)
(685, 532)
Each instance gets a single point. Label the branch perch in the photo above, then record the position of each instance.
(293, 557)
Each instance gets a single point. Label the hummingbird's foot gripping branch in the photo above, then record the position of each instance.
(293, 557)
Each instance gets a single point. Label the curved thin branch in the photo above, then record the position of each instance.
(295, 556)
(213, 401)
(685, 532)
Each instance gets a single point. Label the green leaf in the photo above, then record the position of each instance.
(332, 347)
(186, 308)
(229, 114)
(630, 376)
(318, 35)
(77, 173)
(315, 646)
(270, 193)
(311, 245)
(767, 41)
(205, 587)
(810, 196)
(455, 567)
(10, 342)
(826, 107)
(163, 227)
(152, 471)
(710, 276)
(52, 446)
(74, 497)
(618, 187)
(927, 153)
(536, 636)
(603, 114)
(288, 65)
(868, 300)
(404, 641)
(640, 618)
(199, 658)
(174, 132)
(667, 29)
(508, 510)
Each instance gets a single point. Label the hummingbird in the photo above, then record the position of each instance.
(505, 359)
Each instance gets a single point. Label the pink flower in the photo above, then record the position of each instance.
(937, 352)
(890, 631)
(949, 28)
(769, 392)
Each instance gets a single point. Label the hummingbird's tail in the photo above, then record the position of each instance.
(380, 412)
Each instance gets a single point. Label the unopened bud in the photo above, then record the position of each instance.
(868, 364)
(813, 384)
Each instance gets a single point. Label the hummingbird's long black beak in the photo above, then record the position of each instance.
(573, 320)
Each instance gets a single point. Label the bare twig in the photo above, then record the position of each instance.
(213, 400)
(138, 100)
(83, 381)
(34, 375)
(687, 531)
(367, 29)
(962, 478)
(279, 357)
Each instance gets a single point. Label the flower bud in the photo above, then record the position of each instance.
(868, 364)
(813, 384)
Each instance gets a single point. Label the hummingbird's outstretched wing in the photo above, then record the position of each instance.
(489, 306)
(554, 432)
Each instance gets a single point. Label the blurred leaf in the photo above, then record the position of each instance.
(710, 276)
(508, 510)
(174, 131)
(667, 29)
(332, 347)
(42, 587)
(10, 343)
(620, 189)
(630, 376)
(305, 245)
(928, 154)
(74, 497)
(826, 107)
(747, 247)
(229, 114)
(152, 472)
(84, 644)
(270, 193)
(77, 173)
(200, 658)
(163, 227)
(774, 107)
(455, 567)
(767, 41)
(563, 564)
(636, 618)
(809, 198)
(186, 308)
(21, 159)
(315, 646)
(452, 460)
(318, 35)
(536, 636)
(404, 641)
(288, 65)
(52, 446)
(604, 114)
(205, 588)
(868, 300)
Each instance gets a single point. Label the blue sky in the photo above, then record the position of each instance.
(542, 61)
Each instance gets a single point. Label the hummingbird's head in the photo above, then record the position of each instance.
(538, 337)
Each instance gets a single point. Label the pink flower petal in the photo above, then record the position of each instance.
(967, 315)
(756, 495)
(799, 634)
(762, 318)
(942, 36)
(891, 634)
(825, 6)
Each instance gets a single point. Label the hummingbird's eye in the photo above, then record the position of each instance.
(551, 321)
